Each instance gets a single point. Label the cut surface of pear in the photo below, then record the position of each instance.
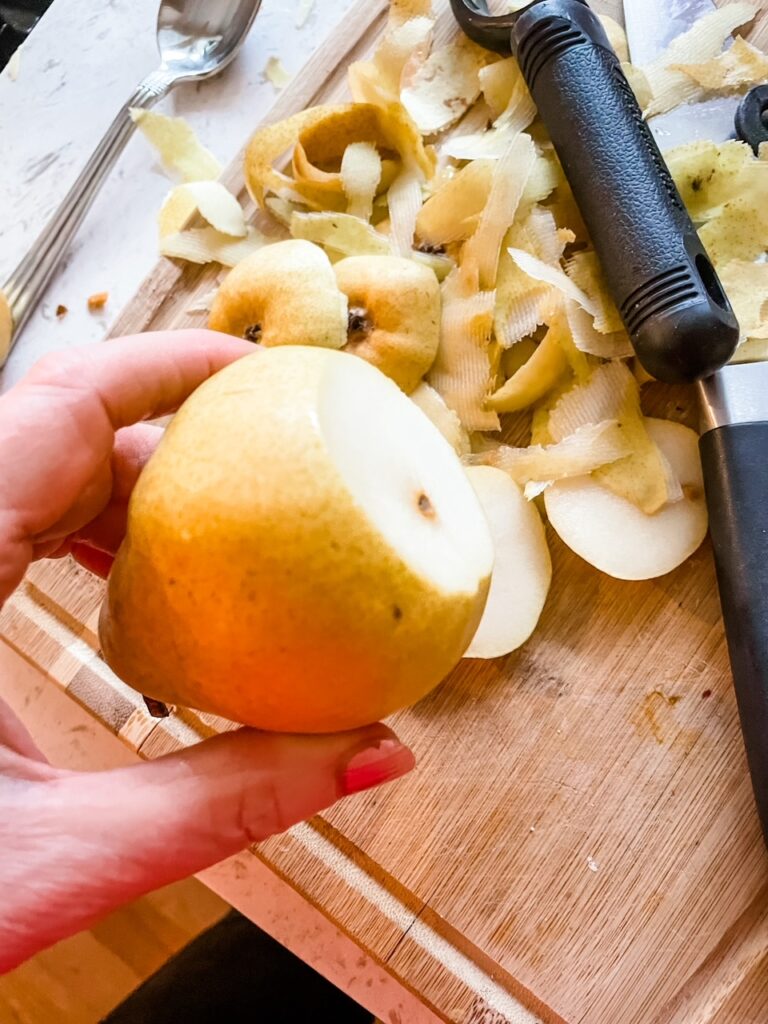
(612, 534)
(522, 570)
(304, 551)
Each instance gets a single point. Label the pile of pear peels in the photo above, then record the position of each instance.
(428, 227)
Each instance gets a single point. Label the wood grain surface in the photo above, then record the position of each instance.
(579, 841)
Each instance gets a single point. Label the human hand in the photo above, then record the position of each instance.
(75, 845)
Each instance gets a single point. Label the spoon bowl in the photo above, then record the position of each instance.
(197, 38)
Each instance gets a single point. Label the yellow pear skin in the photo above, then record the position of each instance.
(397, 304)
(254, 584)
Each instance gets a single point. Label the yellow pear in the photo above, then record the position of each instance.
(283, 294)
(394, 314)
(304, 551)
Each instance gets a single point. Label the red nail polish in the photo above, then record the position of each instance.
(380, 762)
(98, 562)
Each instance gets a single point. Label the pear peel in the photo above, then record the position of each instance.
(445, 419)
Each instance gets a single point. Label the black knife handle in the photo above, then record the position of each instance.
(735, 462)
(670, 299)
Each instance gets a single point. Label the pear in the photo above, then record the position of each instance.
(304, 551)
(522, 571)
(283, 294)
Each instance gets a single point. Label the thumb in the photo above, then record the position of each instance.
(81, 844)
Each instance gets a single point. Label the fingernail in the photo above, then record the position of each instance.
(380, 762)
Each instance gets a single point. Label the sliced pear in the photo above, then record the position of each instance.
(447, 422)
(612, 534)
(394, 314)
(522, 570)
(284, 294)
(304, 550)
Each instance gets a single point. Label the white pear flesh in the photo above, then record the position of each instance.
(614, 535)
(304, 552)
(522, 570)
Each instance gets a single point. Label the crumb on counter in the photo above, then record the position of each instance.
(276, 73)
(96, 301)
(61, 311)
(13, 66)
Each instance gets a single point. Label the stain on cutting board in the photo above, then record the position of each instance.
(655, 716)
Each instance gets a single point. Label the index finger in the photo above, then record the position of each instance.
(139, 376)
(57, 427)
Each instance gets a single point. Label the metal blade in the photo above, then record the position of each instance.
(651, 27)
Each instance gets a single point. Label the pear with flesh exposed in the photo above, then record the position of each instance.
(304, 551)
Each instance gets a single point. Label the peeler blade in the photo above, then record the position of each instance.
(492, 31)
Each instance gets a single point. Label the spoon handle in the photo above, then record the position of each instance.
(26, 285)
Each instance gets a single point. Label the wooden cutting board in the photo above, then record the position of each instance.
(579, 841)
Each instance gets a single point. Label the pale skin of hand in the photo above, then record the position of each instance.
(75, 845)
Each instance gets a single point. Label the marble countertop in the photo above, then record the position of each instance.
(74, 72)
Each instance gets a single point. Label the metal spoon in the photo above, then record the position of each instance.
(196, 40)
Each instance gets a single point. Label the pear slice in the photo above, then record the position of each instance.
(612, 534)
(394, 314)
(304, 552)
(522, 571)
(283, 294)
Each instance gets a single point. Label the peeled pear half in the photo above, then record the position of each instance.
(304, 551)
(522, 571)
(612, 534)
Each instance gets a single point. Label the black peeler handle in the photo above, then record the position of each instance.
(670, 299)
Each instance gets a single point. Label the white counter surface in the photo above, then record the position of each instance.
(75, 71)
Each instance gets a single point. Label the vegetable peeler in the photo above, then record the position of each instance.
(677, 315)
